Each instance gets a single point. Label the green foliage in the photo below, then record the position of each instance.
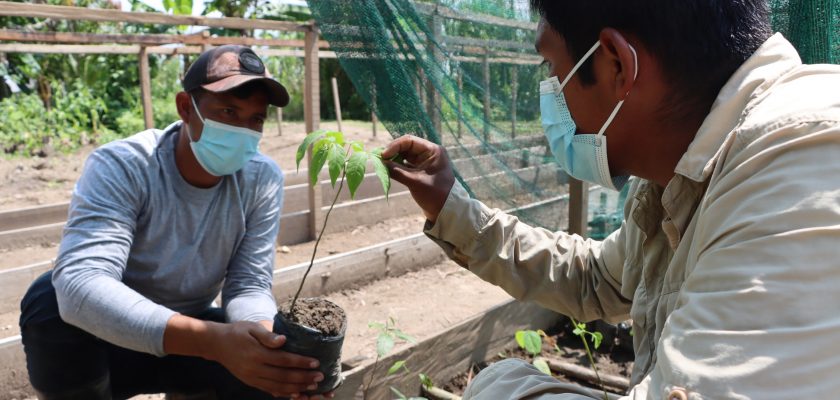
(398, 366)
(529, 341)
(74, 119)
(426, 381)
(542, 365)
(330, 148)
(178, 7)
(388, 336)
(596, 337)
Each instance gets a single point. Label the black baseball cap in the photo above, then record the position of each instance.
(227, 67)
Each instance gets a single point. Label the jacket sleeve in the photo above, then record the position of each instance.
(757, 313)
(562, 272)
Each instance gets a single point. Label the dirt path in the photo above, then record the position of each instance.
(27, 182)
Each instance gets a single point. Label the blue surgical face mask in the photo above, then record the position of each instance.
(583, 156)
(223, 149)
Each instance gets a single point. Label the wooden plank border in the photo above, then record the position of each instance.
(455, 350)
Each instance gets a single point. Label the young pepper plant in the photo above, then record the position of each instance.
(346, 161)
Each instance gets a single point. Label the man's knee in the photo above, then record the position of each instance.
(517, 379)
(39, 304)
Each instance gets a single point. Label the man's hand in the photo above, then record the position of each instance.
(427, 172)
(252, 354)
(249, 351)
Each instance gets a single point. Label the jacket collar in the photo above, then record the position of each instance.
(772, 60)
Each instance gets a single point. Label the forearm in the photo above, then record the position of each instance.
(187, 336)
(556, 270)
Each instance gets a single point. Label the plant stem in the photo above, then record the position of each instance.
(318, 241)
(370, 381)
(592, 361)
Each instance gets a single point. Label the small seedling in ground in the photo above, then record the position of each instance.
(531, 342)
(345, 161)
(597, 338)
(388, 336)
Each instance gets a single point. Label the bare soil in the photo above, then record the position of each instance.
(323, 316)
(28, 182)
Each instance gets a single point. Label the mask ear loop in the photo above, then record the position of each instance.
(200, 118)
(578, 65)
(621, 103)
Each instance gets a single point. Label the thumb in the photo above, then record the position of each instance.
(267, 338)
(403, 174)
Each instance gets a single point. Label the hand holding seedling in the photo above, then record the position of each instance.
(253, 354)
(427, 172)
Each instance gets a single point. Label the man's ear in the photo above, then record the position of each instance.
(184, 106)
(624, 60)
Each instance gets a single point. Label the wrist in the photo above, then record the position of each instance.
(192, 337)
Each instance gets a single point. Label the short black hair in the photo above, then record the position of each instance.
(699, 43)
(240, 92)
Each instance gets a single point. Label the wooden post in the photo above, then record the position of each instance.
(279, 121)
(460, 102)
(279, 112)
(486, 65)
(312, 117)
(337, 103)
(146, 88)
(373, 107)
(433, 99)
(578, 207)
(515, 92)
(205, 44)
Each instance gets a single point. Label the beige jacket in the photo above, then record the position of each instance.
(731, 273)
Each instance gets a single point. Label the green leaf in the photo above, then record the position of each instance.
(520, 339)
(382, 173)
(356, 171)
(377, 325)
(304, 146)
(357, 146)
(542, 365)
(336, 162)
(396, 367)
(320, 152)
(530, 341)
(597, 338)
(336, 137)
(426, 381)
(400, 334)
(384, 344)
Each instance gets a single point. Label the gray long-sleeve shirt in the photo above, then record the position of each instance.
(141, 243)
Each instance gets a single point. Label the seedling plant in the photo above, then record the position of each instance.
(346, 161)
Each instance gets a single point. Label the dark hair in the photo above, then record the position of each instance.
(698, 43)
(240, 92)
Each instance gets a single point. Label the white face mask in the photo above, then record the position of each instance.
(583, 156)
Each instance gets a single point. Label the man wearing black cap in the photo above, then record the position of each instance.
(160, 223)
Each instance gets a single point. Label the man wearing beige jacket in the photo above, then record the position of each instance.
(728, 258)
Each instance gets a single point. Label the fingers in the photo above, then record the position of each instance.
(415, 150)
(267, 338)
(285, 359)
(402, 174)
